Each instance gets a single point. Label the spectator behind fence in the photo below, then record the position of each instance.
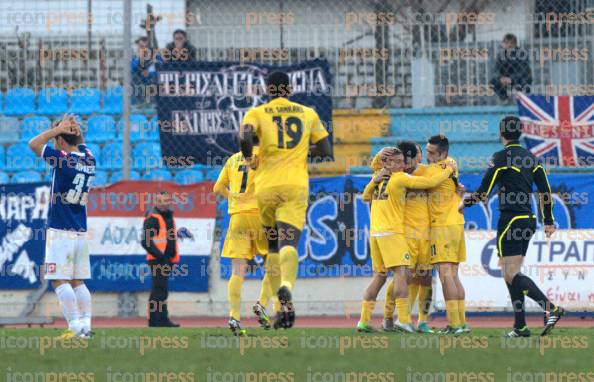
(144, 73)
(512, 69)
(180, 47)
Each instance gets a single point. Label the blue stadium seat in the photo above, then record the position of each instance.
(52, 101)
(100, 179)
(100, 128)
(139, 127)
(20, 157)
(158, 174)
(111, 156)
(32, 126)
(4, 178)
(113, 100)
(153, 134)
(213, 174)
(146, 156)
(116, 176)
(26, 177)
(95, 149)
(189, 176)
(19, 101)
(85, 101)
(2, 157)
(9, 130)
(47, 176)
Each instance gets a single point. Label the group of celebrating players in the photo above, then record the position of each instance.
(417, 222)
(416, 218)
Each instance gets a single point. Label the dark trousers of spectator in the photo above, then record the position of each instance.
(158, 314)
(504, 92)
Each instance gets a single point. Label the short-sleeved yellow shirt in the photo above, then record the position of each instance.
(285, 130)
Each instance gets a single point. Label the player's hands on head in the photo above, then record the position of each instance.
(381, 175)
(68, 125)
(549, 230)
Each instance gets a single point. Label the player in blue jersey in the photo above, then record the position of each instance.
(66, 250)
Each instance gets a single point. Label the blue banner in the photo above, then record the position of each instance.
(23, 215)
(201, 104)
(334, 241)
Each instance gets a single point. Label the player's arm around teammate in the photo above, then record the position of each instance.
(389, 250)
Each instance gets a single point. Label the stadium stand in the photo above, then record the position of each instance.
(32, 126)
(19, 157)
(85, 101)
(101, 178)
(116, 176)
(26, 177)
(52, 101)
(146, 155)
(189, 176)
(9, 130)
(100, 128)
(19, 102)
(111, 157)
(4, 178)
(112, 100)
(158, 174)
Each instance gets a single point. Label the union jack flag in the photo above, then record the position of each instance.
(560, 129)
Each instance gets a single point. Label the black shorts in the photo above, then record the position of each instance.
(514, 231)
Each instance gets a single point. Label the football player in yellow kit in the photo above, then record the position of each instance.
(448, 247)
(285, 131)
(416, 230)
(245, 236)
(389, 248)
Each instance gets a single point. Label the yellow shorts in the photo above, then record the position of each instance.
(419, 246)
(448, 244)
(283, 204)
(388, 251)
(245, 237)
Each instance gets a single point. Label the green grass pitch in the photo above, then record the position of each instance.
(293, 355)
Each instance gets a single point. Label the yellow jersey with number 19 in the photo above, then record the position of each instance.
(239, 177)
(285, 130)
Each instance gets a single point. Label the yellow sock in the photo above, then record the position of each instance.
(234, 296)
(403, 310)
(423, 310)
(288, 266)
(274, 275)
(265, 290)
(366, 311)
(461, 312)
(413, 291)
(452, 312)
(390, 304)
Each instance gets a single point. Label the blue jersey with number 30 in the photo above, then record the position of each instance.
(72, 178)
